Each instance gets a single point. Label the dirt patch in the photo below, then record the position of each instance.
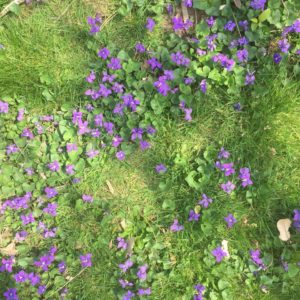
(103, 7)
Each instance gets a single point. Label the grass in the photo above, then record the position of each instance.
(46, 59)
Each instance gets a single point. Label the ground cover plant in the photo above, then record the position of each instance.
(157, 159)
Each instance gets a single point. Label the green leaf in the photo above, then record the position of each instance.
(15, 8)
(168, 204)
(264, 15)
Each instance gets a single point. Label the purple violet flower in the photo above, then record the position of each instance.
(277, 58)
(258, 4)
(11, 294)
(199, 288)
(193, 216)
(51, 209)
(120, 155)
(41, 289)
(128, 295)
(255, 257)
(230, 25)
(20, 116)
(114, 64)
(150, 24)
(188, 3)
(210, 21)
(121, 243)
(154, 63)
(205, 201)
(92, 153)
(125, 283)
(203, 86)
(7, 264)
(144, 145)
(104, 53)
(228, 187)
(50, 192)
(13, 148)
(144, 292)
(91, 77)
(21, 276)
(127, 265)
(245, 177)
(161, 168)
(87, 198)
(27, 219)
(54, 166)
(142, 272)
(219, 254)
(4, 107)
(176, 226)
(62, 267)
(284, 45)
(86, 260)
(242, 55)
(139, 47)
(223, 154)
(230, 220)
(250, 78)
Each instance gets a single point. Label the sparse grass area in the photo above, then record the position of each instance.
(46, 59)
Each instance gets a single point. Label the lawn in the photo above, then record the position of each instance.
(48, 52)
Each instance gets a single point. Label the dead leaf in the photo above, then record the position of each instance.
(9, 250)
(225, 248)
(283, 226)
(238, 3)
(130, 244)
(110, 187)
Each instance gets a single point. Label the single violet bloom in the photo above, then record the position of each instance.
(86, 260)
(142, 272)
(114, 64)
(188, 3)
(121, 243)
(230, 220)
(104, 53)
(205, 201)
(120, 155)
(228, 187)
(50, 192)
(210, 21)
(250, 78)
(277, 58)
(87, 198)
(219, 254)
(140, 48)
(54, 166)
(4, 107)
(150, 24)
(193, 216)
(203, 86)
(62, 267)
(128, 296)
(144, 292)
(175, 227)
(230, 25)
(161, 168)
(258, 4)
(127, 265)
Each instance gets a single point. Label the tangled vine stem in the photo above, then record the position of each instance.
(6, 9)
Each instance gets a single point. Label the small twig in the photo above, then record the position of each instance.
(108, 19)
(237, 25)
(6, 9)
(66, 283)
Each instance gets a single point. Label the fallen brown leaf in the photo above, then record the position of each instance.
(283, 226)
